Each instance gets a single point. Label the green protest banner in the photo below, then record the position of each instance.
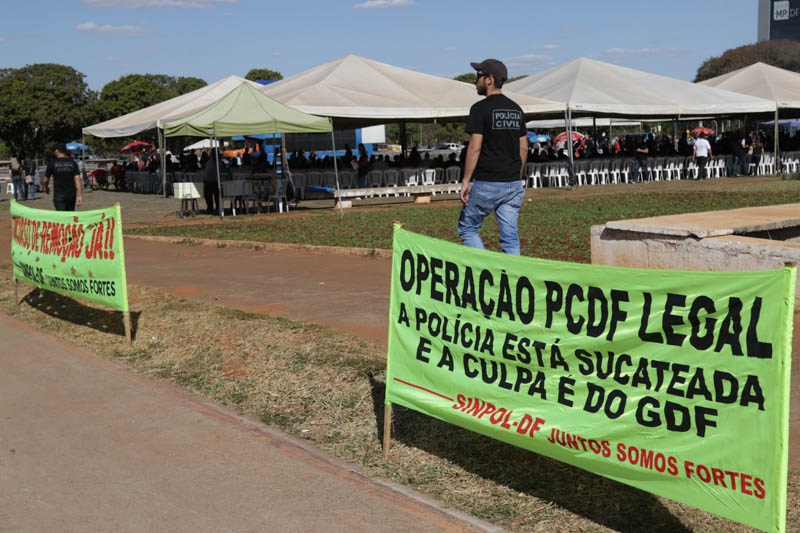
(673, 382)
(75, 253)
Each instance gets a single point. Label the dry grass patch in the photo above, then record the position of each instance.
(328, 387)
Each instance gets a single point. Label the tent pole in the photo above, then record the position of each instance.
(83, 158)
(403, 144)
(163, 169)
(674, 133)
(162, 147)
(777, 145)
(336, 170)
(219, 183)
(569, 141)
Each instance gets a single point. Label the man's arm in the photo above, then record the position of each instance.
(79, 188)
(473, 151)
(523, 155)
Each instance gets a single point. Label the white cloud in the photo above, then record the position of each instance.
(136, 4)
(529, 61)
(622, 53)
(381, 4)
(107, 29)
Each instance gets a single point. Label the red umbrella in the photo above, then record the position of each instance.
(137, 146)
(702, 129)
(562, 137)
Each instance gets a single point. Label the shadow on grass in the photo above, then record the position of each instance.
(594, 497)
(65, 308)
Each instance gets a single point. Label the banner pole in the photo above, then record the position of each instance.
(387, 428)
(126, 319)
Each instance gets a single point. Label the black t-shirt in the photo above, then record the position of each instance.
(501, 123)
(63, 171)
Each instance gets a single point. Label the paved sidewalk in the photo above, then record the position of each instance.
(86, 445)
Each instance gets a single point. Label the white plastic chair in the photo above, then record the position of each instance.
(278, 199)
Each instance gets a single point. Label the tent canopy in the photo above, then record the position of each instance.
(172, 109)
(594, 87)
(763, 81)
(582, 122)
(202, 144)
(356, 91)
(246, 111)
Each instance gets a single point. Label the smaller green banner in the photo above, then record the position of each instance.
(76, 253)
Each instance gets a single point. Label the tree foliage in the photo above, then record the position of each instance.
(42, 104)
(263, 74)
(136, 91)
(779, 53)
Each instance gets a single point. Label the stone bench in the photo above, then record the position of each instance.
(421, 193)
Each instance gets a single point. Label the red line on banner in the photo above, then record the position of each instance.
(423, 388)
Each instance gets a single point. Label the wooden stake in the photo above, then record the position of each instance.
(126, 319)
(387, 428)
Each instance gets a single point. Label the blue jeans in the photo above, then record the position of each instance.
(637, 164)
(19, 187)
(485, 197)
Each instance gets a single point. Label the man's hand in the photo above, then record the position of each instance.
(465, 187)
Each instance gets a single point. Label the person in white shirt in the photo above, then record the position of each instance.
(702, 153)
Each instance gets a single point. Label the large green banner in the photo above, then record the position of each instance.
(77, 253)
(673, 382)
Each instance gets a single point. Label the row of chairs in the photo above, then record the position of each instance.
(620, 170)
(258, 196)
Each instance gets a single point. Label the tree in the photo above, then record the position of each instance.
(42, 104)
(779, 53)
(136, 91)
(263, 74)
(188, 84)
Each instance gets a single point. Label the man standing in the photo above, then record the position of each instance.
(740, 149)
(67, 182)
(496, 156)
(640, 159)
(702, 151)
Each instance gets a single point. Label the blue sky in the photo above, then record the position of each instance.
(211, 39)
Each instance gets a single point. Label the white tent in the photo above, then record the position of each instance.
(764, 81)
(582, 122)
(593, 87)
(356, 91)
(202, 145)
(172, 109)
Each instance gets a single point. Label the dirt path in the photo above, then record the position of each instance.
(89, 446)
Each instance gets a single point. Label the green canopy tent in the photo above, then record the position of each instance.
(247, 111)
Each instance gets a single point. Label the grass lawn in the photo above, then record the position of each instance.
(551, 228)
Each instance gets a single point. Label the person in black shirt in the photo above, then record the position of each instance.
(67, 182)
(498, 149)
